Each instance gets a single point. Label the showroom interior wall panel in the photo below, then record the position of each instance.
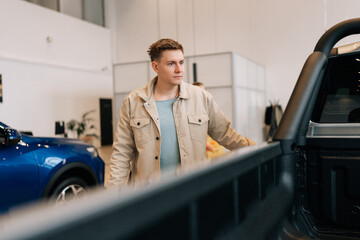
(224, 98)
(241, 104)
(140, 23)
(260, 108)
(285, 39)
(151, 72)
(111, 23)
(167, 19)
(44, 36)
(188, 70)
(256, 112)
(212, 70)
(55, 80)
(37, 96)
(185, 25)
(240, 71)
(233, 26)
(204, 26)
(260, 77)
(128, 77)
(335, 9)
(118, 100)
(251, 75)
(249, 97)
(137, 26)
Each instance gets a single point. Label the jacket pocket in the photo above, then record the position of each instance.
(198, 127)
(141, 129)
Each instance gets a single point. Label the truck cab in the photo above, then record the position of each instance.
(328, 165)
(320, 133)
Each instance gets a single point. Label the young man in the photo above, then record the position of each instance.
(164, 124)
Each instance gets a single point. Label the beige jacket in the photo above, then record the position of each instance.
(138, 137)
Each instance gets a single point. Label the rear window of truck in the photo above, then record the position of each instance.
(339, 98)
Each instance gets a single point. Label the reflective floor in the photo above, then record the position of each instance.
(105, 154)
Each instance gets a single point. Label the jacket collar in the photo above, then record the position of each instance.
(148, 92)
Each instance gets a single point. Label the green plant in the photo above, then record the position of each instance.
(83, 126)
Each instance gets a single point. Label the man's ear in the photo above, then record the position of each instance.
(155, 66)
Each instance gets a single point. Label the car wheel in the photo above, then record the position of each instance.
(69, 190)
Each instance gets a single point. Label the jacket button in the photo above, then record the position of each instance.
(157, 138)
(138, 123)
(156, 157)
(199, 120)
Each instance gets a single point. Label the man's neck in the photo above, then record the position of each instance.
(163, 92)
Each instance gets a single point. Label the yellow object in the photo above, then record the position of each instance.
(217, 149)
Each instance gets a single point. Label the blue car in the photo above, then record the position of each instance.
(34, 168)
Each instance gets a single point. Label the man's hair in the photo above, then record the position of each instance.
(156, 49)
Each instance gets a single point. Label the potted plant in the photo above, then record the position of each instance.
(82, 129)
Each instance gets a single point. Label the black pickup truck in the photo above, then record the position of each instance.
(303, 185)
(320, 133)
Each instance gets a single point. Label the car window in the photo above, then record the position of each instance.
(2, 136)
(340, 98)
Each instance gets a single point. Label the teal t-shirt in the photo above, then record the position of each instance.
(169, 152)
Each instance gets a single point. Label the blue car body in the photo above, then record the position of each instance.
(31, 167)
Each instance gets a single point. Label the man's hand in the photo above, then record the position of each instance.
(209, 147)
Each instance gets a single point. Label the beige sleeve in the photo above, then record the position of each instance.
(123, 148)
(221, 130)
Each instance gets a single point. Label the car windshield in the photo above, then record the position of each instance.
(340, 98)
(2, 125)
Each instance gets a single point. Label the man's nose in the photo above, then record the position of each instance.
(177, 68)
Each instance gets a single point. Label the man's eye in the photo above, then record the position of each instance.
(171, 64)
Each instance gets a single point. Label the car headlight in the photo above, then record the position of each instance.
(93, 151)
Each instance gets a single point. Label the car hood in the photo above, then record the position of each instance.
(52, 141)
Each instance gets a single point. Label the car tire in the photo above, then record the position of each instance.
(68, 190)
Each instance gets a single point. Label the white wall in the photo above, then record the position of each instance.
(279, 34)
(43, 81)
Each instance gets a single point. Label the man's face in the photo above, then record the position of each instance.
(170, 67)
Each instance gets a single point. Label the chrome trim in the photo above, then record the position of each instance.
(334, 130)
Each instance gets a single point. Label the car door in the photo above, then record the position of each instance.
(18, 175)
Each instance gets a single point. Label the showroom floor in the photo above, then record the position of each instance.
(105, 154)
